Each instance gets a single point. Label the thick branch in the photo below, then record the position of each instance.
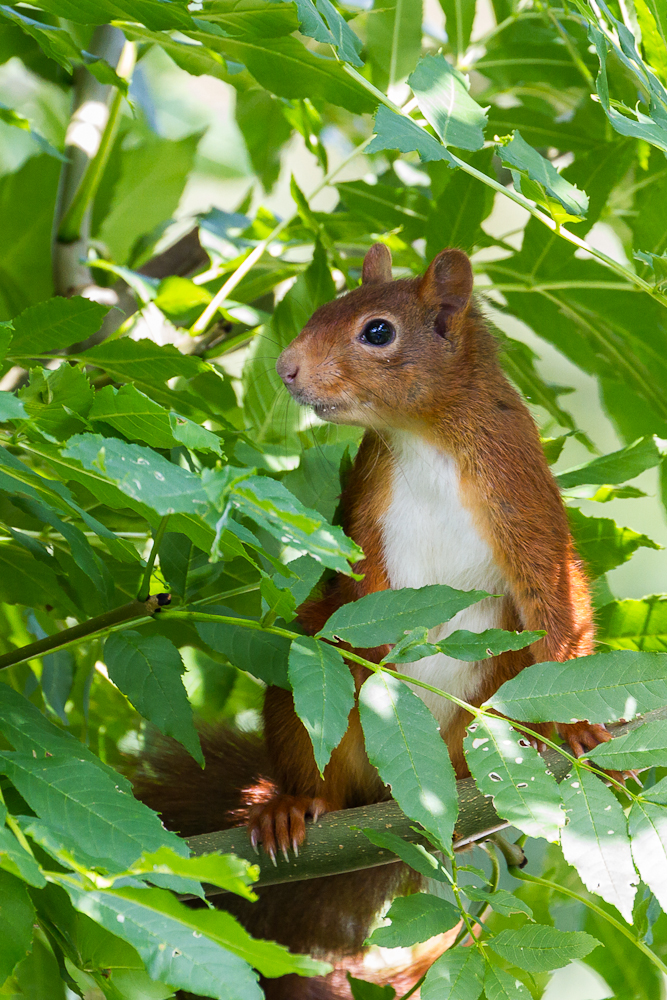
(335, 844)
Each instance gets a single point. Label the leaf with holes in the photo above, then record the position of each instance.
(595, 840)
(404, 743)
(506, 766)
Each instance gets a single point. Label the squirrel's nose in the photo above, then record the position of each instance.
(287, 368)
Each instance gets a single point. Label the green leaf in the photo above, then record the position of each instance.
(83, 804)
(259, 114)
(387, 207)
(602, 544)
(185, 567)
(464, 645)
(461, 207)
(651, 128)
(323, 694)
(28, 731)
(148, 190)
(414, 855)
(645, 746)
(11, 408)
(647, 825)
(507, 767)
(605, 687)
(16, 860)
(142, 361)
(443, 98)
(25, 239)
(459, 17)
(595, 840)
(287, 68)
(153, 13)
(138, 418)
(171, 941)
(140, 473)
(540, 948)
(17, 916)
(499, 900)
(362, 990)
(500, 985)
(394, 40)
(519, 154)
(54, 324)
(259, 653)
(272, 507)
(617, 467)
(321, 21)
(257, 19)
(456, 975)
(58, 401)
(224, 870)
(30, 581)
(384, 616)
(404, 743)
(54, 41)
(394, 131)
(415, 919)
(634, 624)
(148, 669)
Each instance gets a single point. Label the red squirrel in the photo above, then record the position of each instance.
(449, 486)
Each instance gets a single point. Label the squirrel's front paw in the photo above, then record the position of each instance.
(583, 736)
(281, 823)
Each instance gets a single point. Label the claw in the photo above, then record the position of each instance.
(271, 851)
(254, 840)
(295, 847)
(285, 854)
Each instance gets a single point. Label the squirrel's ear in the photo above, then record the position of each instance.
(447, 284)
(377, 265)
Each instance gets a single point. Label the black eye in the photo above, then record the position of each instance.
(378, 332)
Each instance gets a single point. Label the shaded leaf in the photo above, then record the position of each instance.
(259, 653)
(645, 746)
(456, 975)
(17, 915)
(323, 691)
(415, 919)
(148, 669)
(603, 544)
(49, 326)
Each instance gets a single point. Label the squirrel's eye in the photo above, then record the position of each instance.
(378, 332)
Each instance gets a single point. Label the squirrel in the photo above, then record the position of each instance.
(449, 486)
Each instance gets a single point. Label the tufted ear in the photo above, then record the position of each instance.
(377, 265)
(447, 286)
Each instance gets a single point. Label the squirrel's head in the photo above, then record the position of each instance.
(387, 353)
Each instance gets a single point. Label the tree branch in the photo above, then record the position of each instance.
(335, 843)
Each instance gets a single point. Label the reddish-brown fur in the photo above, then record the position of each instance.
(441, 380)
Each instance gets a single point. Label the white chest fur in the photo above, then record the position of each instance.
(429, 537)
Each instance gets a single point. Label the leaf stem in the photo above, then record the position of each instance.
(145, 587)
(525, 877)
(223, 292)
(70, 227)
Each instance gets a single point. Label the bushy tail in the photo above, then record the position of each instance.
(327, 917)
